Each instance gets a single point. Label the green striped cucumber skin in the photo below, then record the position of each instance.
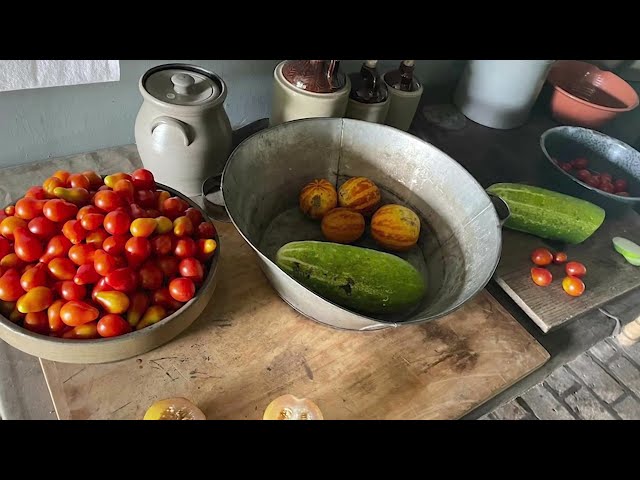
(548, 214)
(361, 279)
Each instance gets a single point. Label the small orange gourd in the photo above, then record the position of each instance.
(359, 194)
(395, 227)
(342, 225)
(317, 198)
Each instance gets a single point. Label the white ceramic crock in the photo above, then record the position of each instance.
(182, 131)
(403, 105)
(293, 103)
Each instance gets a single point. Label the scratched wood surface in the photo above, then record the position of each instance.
(249, 347)
(608, 277)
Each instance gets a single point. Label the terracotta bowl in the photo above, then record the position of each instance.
(583, 95)
(104, 350)
(604, 154)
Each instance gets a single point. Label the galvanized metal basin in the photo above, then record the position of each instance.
(460, 242)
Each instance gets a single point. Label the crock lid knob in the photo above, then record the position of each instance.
(182, 82)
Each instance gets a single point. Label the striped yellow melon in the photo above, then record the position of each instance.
(395, 227)
(317, 198)
(359, 194)
(342, 225)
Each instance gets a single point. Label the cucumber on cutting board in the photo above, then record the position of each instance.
(358, 278)
(548, 214)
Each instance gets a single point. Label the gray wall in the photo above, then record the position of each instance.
(41, 123)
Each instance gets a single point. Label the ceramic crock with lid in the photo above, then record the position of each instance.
(182, 130)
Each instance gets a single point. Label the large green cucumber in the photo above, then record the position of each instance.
(547, 214)
(357, 278)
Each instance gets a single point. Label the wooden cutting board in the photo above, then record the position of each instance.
(249, 347)
(608, 274)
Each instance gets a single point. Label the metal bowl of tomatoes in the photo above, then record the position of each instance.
(99, 269)
(599, 164)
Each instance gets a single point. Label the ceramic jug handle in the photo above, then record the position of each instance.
(172, 122)
(213, 200)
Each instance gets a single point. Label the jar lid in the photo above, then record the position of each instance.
(181, 85)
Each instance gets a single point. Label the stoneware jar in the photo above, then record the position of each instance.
(308, 88)
(182, 131)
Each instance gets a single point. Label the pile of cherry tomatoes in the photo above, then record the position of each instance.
(601, 181)
(572, 283)
(82, 257)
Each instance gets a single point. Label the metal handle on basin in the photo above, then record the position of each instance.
(213, 200)
(182, 127)
(502, 208)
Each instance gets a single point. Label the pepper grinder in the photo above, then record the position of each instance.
(369, 97)
(405, 91)
(307, 89)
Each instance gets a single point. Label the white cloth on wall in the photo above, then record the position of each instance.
(21, 74)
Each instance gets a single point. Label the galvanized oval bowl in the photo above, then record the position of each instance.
(104, 350)
(460, 241)
(604, 153)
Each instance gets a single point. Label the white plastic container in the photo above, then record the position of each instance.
(500, 93)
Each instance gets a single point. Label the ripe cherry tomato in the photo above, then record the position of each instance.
(206, 230)
(145, 198)
(58, 246)
(117, 223)
(82, 254)
(185, 247)
(10, 289)
(161, 244)
(100, 286)
(541, 276)
(78, 180)
(173, 207)
(607, 187)
(86, 275)
(84, 331)
(560, 257)
(28, 208)
(96, 238)
(9, 224)
(137, 211)
(182, 289)
(63, 175)
(191, 268)
(124, 188)
(206, 249)
(43, 228)
(77, 312)
(153, 314)
(139, 305)
(606, 177)
(112, 326)
(5, 247)
(34, 277)
(36, 192)
(53, 313)
(594, 181)
(72, 291)
(573, 286)
(37, 322)
(114, 245)
(137, 250)
(35, 300)
(107, 200)
(92, 221)
(62, 269)
(164, 298)
(123, 279)
(541, 257)
(72, 229)
(620, 185)
(583, 175)
(168, 264)
(86, 210)
(50, 184)
(58, 210)
(566, 166)
(103, 262)
(95, 181)
(143, 179)
(27, 246)
(580, 163)
(182, 226)
(195, 216)
(575, 269)
(151, 276)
